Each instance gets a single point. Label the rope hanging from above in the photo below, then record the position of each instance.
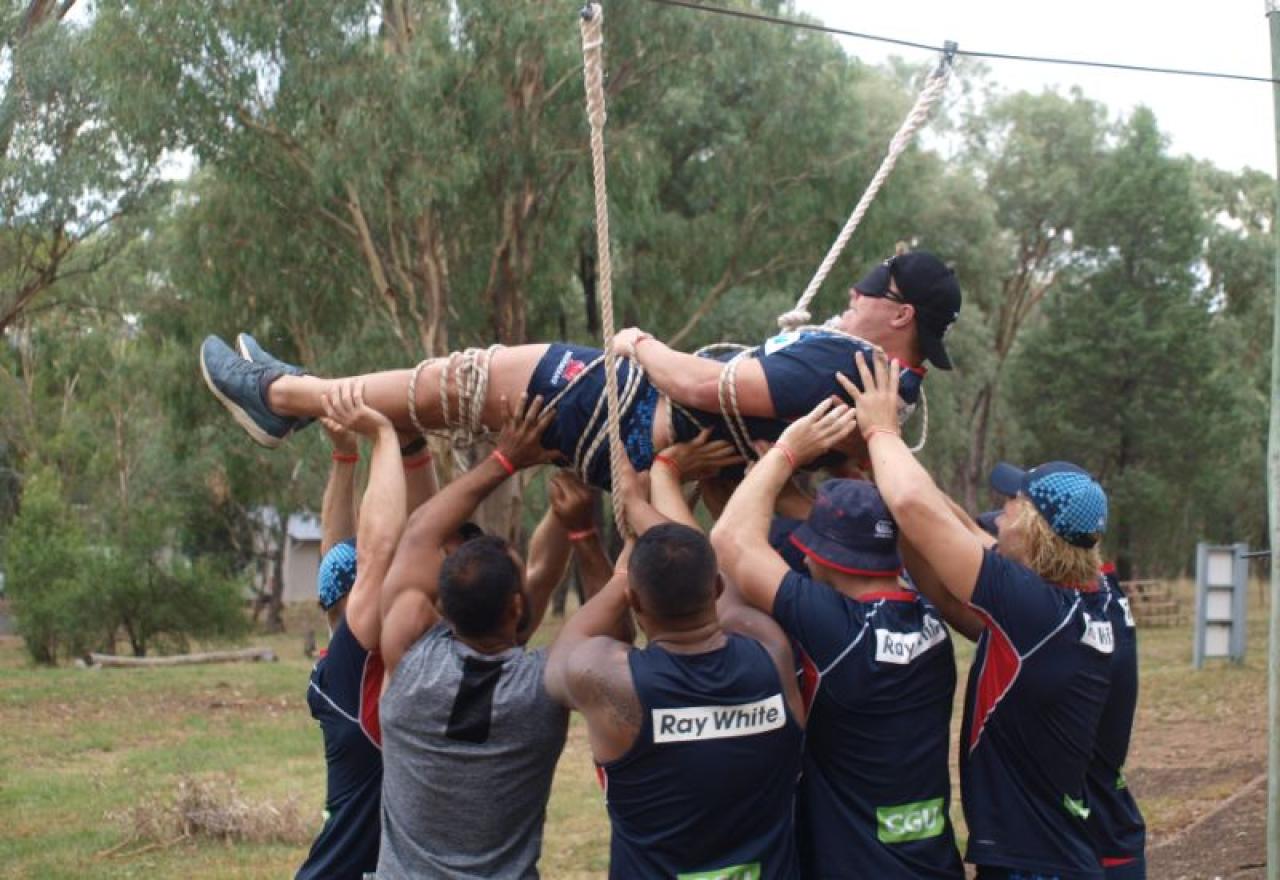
(591, 24)
(919, 115)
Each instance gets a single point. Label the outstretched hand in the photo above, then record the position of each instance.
(877, 399)
(520, 438)
(346, 411)
(701, 457)
(818, 432)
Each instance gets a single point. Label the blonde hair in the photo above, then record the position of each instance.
(1048, 555)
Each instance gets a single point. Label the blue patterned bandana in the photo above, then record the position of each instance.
(1067, 496)
(337, 573)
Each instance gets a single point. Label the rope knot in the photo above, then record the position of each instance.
(793, 319)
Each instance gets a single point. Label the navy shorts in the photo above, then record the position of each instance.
(577, 422)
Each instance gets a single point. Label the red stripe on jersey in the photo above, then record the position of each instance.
(1108, 862)
(370, 691)
(603, 778)
(1000, 669)
(1108, 568)
(810, 678)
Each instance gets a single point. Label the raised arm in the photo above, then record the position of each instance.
(573, 503)
(922, 511)
(419, 471)
(741, 536)
(409, 594)
(338, 508)
(382, 511)
(694, 381)
(696, 459)
(567, 522)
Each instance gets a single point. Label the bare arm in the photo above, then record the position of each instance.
(694, 381)
(382, 510)
(574, 504)
(921, 510)
(409, 595)
(960, 616)
(549, 550)
(338, 509)
(696, 459)
(741, 536)
(419, 472)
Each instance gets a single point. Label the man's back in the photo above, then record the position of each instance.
(708, 786)
(879, 678)
(470, 745)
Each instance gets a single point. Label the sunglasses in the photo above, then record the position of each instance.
(880, 277)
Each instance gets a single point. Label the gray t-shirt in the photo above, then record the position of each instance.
(470, 743)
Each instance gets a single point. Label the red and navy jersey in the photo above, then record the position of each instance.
(880, 675)
(1036, 692)
(343, 697)
(708, 788)
(800, 369)
(1115, 822)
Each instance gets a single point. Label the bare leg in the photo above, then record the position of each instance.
(388, 392)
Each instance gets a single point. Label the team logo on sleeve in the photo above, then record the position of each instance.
(694, 723)
(1098, 635)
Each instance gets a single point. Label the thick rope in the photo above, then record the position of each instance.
(591, 24)
(937, 84)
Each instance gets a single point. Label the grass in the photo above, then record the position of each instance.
(79, 748)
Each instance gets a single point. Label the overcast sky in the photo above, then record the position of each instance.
(1227, 122)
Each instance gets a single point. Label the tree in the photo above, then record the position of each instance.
(47, 574)
(1123, 376)
(70, 175)
(1037, 155)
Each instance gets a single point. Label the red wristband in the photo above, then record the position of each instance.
(581, 534)
(346, 457)
(669, 462)
(415, 463)
(786, 450)
(504, 461)
(879, 429)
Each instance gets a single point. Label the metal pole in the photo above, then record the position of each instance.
(1273, 493)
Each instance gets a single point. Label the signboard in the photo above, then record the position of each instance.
(1222, 574)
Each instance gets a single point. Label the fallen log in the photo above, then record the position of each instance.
(246, 655)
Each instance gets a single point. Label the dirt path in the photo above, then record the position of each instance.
(1229, 843)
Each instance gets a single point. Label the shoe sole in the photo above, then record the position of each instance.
(259, 436)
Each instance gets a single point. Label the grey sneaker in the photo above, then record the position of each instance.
(239, 385)
(250, 350)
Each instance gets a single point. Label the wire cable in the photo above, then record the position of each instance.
(994, 56)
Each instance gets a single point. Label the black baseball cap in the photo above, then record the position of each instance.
(930, 285)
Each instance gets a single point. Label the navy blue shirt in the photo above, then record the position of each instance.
(880, 677)
(1036, 691)
(708, 788)
(1115, 822)
(343, 697)
(800, 370)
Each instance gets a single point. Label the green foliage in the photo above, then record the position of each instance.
(376, 181)
(158, 599)
(48, 576)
